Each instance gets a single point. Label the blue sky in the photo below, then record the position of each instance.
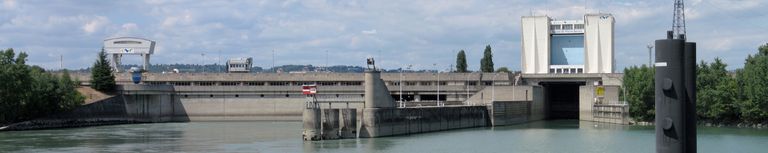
(396, 32)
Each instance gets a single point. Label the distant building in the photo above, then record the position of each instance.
(568, 46)
(239, 65)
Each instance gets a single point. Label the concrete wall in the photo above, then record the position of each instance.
(150, 108)
(379, 122)
(535, 94)
(510, 112)
(230, 108)
(610, 102)
(586, 99)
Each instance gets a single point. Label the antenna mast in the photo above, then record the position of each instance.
(678, 21)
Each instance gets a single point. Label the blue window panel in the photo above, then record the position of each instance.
(567, 50)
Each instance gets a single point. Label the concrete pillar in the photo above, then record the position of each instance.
(330, 124)
(116, 62)
(377, 99)
(146, 62)
(348, 120)
(376, 92)
(586, 100)
(311, 118)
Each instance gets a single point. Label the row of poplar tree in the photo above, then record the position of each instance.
(722, 96)
(486, 63)
(28, 92)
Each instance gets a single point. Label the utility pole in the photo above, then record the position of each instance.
(61, 61)
(218, 67)
(400, 84)
(326, 61)
(202, 61)
(273, 61)
(438, 83)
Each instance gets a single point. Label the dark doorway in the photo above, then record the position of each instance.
(562, 99)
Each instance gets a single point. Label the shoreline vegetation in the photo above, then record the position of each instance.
(724, 98)
(29, 92)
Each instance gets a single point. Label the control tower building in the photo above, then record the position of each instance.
(568, 46)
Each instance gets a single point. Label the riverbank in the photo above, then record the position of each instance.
(734, 124)
(708, 123)
(64, 123)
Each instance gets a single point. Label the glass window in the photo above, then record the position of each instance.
(568, 27)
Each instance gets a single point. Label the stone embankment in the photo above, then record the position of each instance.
(108, 111)
(40, 124)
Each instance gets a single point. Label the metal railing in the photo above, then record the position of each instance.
(611, 112)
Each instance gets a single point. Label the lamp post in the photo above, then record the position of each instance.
(466, 84)
(493, 87)
(401, 87)
(202, 61)
(438, 83)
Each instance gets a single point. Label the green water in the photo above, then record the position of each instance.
(280, 137)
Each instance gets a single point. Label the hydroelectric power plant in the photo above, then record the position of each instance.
(567, 74)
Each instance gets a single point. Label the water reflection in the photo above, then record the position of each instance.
(544, 136)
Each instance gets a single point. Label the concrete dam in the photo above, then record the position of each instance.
(181, 97)
(381, 117)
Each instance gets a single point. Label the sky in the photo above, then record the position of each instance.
(327, 32)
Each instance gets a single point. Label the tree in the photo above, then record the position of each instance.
(486, 63)
(102, 78)
(461, 62)
(753, 82)
(503, 69)
(70, 97)
(28, 91)
(639, 86)
(716, 92)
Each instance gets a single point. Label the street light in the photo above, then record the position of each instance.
(466, 84)
(493, 87)
(400, 83)
(202, 60)
(438, 83)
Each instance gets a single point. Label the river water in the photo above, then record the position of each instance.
(285, 137)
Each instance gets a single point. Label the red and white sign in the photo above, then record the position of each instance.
(309, 89)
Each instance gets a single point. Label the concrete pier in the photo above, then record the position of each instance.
(379, 122)
(311, 118)
(381, 118)
(348, 121)
(330, 124)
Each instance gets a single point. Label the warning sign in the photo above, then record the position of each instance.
(309, 89)
(600, 91)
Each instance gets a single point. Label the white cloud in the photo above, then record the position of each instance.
(369, 32)
(10, 4)
(349, 29)
(95, 24)
(130, 26)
